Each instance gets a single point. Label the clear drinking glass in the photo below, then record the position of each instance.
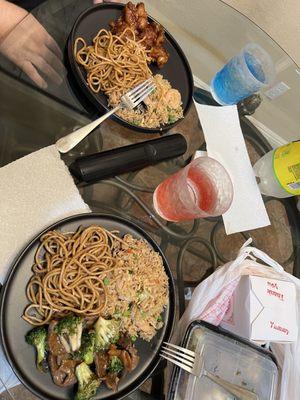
(201, 189)
(246, 73)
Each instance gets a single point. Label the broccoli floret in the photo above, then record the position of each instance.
(86, 351)
(88, 382)
(69, 330)
(106, 332)
(38, 337)
(115, 365)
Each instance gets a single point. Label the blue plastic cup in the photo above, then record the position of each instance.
(245, 74)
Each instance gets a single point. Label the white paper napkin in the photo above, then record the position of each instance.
(226, 144)
(35, 191)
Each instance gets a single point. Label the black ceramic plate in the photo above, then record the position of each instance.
(21, 356)
(177, 70)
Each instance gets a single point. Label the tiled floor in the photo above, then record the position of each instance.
(18, 393)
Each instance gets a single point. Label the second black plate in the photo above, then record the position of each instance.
(177, 70)
(13, 328)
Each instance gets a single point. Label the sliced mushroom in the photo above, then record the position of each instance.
(54, 344)
(101, 363)
(63, 373)
(134, 356)
(126, 344)
(114, 351)
(124, 341)
(112, 381)
(126, 360)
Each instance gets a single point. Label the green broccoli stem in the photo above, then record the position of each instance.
(40, 353)
(106, 332)
(88, 382)
(37, 338)
(86, 351)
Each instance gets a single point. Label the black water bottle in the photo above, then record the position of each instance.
(118, 161)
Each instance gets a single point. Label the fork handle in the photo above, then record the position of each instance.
(69, 141)
(237, 391)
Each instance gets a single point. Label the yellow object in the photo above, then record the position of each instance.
(286, 165)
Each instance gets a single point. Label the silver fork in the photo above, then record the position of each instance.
(194, 364)
(129, 100)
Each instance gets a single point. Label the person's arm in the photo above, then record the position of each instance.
(10, 16)
(25, 42)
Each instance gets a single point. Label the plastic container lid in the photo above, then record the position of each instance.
(228, 357)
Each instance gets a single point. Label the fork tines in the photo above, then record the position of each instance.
(183, 358)
(140, 92)
(140, 86)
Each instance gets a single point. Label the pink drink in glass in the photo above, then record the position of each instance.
(201, 189)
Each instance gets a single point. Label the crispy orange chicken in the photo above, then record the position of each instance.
(152, 34)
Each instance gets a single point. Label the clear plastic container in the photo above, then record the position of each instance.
(230, 358)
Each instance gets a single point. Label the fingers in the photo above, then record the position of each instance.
(32, 73)
(47, 69)
(52, 59)
(51, 52)
(40, 35)
(48, 57)
(53, 46)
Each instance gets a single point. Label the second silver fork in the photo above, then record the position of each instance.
(130, 100)
(194, 364)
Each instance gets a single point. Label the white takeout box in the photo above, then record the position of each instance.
(263, 310)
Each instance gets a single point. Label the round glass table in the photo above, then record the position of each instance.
(209, 32)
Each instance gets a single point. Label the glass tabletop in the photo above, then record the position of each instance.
(209, 32)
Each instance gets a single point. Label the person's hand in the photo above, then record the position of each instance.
(28, 45)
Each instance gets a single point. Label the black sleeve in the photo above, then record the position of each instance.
(27, 4)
